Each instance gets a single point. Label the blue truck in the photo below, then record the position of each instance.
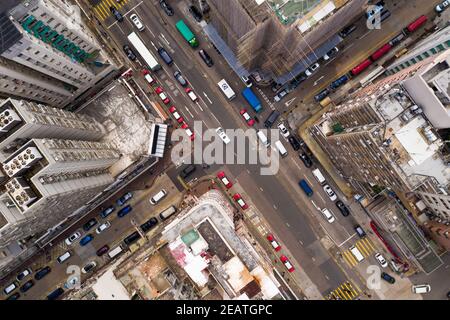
(252, 99)
(306, 188)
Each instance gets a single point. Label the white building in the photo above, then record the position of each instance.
(48, 55)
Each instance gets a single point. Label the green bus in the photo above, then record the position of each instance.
(187, 33)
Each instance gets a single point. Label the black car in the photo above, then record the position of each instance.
(132, 238)
(102, 250)
(149, 224)
(294, 142)
(88, 225)
(187, 171)
(106, 212)
(165, 56)
(14, 296)
(196, 13)
(360, 231)
(166, 7)
(322, 95)
(181, 80)
(116, 13)
(306, 160)
(347, 30)
(130, 54)
(385, 276)
(41, 273)
(27, 286)
(206, 58)
(55, 294)
(342, 208)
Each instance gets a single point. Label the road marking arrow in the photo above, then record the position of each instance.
(287, 103)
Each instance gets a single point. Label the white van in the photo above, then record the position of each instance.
(264, 140)
(158, 197)
(10, 288)
(281, 149)
(115, 252)
(356, 253)
(167, 213)
(328, 215)
(226, 89)
(421, 288)
(64, 257)
(318, 175)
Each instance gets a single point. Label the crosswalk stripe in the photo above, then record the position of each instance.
(349, 258)
(363, 249)
(102, 12)
(344, 294)
(349, 287)
(98, 13)
(370, 244)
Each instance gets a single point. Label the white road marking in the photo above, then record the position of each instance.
(219, 124)
(301, 242)
(326, 277)
(139, 62)
(154, 45)
(287, 224)
(164, 38)
(275, 207)
(287, 103)
(262, 190)
(313, 259)
(309, 182)
(318, 80)
(348, 47)
(299, 168)
(206, 96)
(347, 240)
(189, 111)
(198, 104)
(365, 34)
(314, 204)
(248, 171)
(320, 196)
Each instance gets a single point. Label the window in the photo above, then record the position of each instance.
(426, 54)
(419, 58)
(433, 50)
(440, 47)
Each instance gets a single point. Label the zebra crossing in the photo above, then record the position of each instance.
(346, 291)
(102, 10)
(364, 245)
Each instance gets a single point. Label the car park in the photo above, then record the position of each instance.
(123, 199)
(106, 212)
(313, 68)
(442, 6)
(103, 227)
(195, 13)
(88, 225)
(188, 131)
(166, 7)
(328, 215)
(146, 226)
(345, 32)
(27, 286)
(71, 239)
(287, 263)
(130, 54)
(137, 22)
(238, 198)
(187, 171)
(116, 13)
(330, 192)
(249, 120)
(102, 250)
(387, 277)
(222, 135)
(124, 211)
(86, 239)
(148, 77)
(176, 115)
(162, 95)
(222, 177)
(331, 53)
(191, 94)
(360, 231)
(23, 274)
(89, 267)
(294, 142)
(41, 273)
(181, 80)
(322, 95)
(421, 288)
(275, 245)
(283, 130)
(206, 57)
(342, 208)
(306, 160)
(383, 263)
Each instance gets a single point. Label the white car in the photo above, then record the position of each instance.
(103, 227)
(280, 95)
(442, 6)
(149, 78)
(72, 238)
(246, 81)
(421, 288)
(223, 135)
(328, 215)
(135, 19)
(191, 94)
(383, 263)
(330, 192)
(72, 283)
(284, 131)
(312, 69)
(330, 53)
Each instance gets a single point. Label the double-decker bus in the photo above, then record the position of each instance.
(187, 34)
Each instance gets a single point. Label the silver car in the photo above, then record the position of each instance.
(135, 19)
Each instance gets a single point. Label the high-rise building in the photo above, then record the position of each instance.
(260, 36)
(385, 135)
(48, 55)
(21, 120)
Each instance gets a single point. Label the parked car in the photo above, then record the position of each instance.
(421, 288)
(222, 177)
(238, 198)
(22, 275)
(191, 94)
(283, 130)
(273, 242)
(287, 263)
(322, 95)
(294, 142)
(41, 273)
(342, 208)
(102, 250)
(280, 95)
(339, 82)
(103, 227)
(249, 120)
(330, 192)
(106, 212)
(176, 115)
(381, 260)
(166, 7)
(149, 224)
(123, 199)
(222, 135)
(187, 171)
(116, 13)
(89, 267)
(188, 131)
(306, 160)
(387, 277)
(124, 211)
(130, 54)
(71, 239)
(88, 225)
(347, 30)
(330, 53)
(442, 6)
(137, 22)
(313, 68)
(162, 95)
(14, 296)
(196, 13)
(27, 286)
(181, 80)
(246, 80)
(86, 239)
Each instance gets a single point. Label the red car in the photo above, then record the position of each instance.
(162, 95)
(221, 175)
(250, 121)
(237, 197)
(191, 94)
(148, 77)
(188, 131)
(287, 263)
(175, 114)
(273, 242)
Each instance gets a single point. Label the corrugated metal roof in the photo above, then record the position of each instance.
(9, 34)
